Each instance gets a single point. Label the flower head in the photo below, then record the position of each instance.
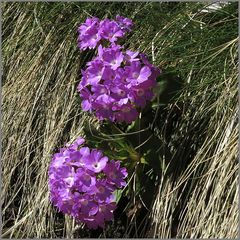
(80, 184)
(93, 31)
(119, 85)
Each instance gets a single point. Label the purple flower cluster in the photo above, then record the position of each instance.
(94, 31)
(82, 182)
(117, 83)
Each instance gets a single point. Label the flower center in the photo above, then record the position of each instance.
(105, 106)
(87, 178)
(101, 189)
(99, 73)
(121, 93)
(102, 208)
(126, 109)
(113, 62)
(112, 175)
(140, 92)
(69, 180)
(85, 202)
(94, 37)
(102, 91)
(135, 75)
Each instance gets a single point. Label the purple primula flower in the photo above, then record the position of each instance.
(89, 23)
(119, 92)
(124, 23)
(81, 183)
(89, 206)
(107, 211)
(103, 101)
(88, 99)
(155, 71)
(104, 190)
(78, 142)
(110, 30)
(109, 76)
(136, 73)
(84, 81)
(95, 161)
(111, 57)
(85, 178)
(131, 56)
(58, 161)
(130, 113)
(95, 72)
(115, 174)
(116, 84)
(89, 34)
(66, 173)
(99, 89)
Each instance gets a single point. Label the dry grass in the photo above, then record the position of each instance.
(204, 196)
(197, 190)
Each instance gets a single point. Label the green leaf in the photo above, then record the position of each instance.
(118, 194)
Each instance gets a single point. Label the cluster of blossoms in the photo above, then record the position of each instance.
(82, 182)
(116, 84)
(94, 31)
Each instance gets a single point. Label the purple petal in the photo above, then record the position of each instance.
(86, 105)
(144, 74)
